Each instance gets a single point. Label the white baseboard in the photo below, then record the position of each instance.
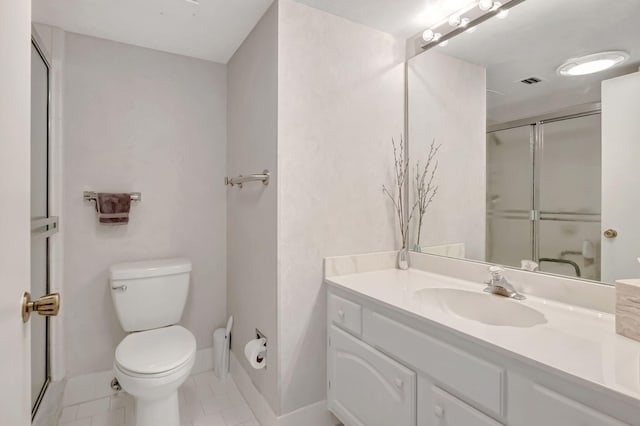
(315, 414)
(260, 407)
(312, 415)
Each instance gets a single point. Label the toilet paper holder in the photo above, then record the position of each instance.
(260, 335)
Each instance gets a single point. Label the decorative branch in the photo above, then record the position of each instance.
(401, 167)
(426, 190)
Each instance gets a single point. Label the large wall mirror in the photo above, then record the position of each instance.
(536, 120)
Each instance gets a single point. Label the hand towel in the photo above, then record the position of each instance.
(113, 209)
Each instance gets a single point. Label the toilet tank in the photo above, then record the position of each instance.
(149, 294)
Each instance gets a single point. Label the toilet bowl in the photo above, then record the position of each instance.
(157, 356)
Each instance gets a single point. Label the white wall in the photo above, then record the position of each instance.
(340, 101)
(140, 120)
(251, 211)
(447, 102)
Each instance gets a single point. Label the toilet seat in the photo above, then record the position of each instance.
(155, 353)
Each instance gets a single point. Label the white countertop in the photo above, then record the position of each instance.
(574, 340)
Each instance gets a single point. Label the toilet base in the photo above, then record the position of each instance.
(158, 412)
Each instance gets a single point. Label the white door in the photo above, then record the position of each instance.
(620, 177)
(15, 228)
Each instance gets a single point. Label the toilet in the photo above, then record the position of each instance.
(157, 355)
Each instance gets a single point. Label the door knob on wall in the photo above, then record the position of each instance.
(47, 305)
(610, 233)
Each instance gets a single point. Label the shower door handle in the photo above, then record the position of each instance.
(47, 305)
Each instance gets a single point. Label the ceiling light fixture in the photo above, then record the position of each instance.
(591, 64)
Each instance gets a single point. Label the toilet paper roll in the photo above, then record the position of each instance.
(588, 249)
(256, 353)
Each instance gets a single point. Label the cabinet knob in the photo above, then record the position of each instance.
(438, 411)
(610, 233)
(399, 383)
(341, 314)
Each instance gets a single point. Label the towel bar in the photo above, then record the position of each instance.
(93, 196)
(263, 177)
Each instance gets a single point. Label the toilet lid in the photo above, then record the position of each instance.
(156, 351)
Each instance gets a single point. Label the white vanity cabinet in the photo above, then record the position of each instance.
(390, 368)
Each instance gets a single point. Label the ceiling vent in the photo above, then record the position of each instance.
(531, 80)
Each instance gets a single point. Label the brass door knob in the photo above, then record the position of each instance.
(610, 233)
(47, 305)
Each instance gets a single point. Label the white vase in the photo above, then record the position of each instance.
(403, 259)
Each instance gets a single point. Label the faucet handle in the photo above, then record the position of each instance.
(496, 272)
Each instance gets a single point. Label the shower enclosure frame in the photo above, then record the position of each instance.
(46, 231)
(536, 151)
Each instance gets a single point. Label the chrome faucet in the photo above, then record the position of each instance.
(499, 285)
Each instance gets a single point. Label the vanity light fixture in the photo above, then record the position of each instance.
(465, 19)
(455, 20)
(431, 36)
(591, 64)
(502, 14)
(486, 5)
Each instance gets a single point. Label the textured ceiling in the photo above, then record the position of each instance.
(212, 29)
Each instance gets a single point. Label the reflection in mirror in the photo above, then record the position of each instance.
(537, 166)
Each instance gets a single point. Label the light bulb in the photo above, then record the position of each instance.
(502, 14)
(485, 5)
(437, 36)
(428, 36)
(444, 43)
(455, 20)
(464, 22)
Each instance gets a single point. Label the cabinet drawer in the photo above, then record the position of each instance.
(438, 408)
(552, 408)
(473, 378)
(366, 388)
(532, 404)
(345, 313)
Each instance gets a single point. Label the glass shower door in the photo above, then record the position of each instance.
(510, 195)
(570, 196)
(42, 226)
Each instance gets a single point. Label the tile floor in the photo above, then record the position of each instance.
(204, 401)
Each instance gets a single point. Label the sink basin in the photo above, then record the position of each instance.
(482, 307)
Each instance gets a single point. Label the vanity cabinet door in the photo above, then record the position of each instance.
(367, 388)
